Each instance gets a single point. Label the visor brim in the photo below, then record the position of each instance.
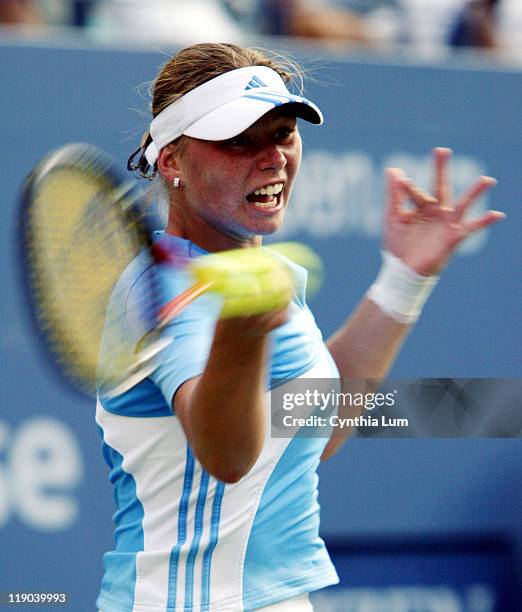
(235, 117)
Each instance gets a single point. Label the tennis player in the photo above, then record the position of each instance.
(213, 513)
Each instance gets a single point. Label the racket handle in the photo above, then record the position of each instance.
(173, 308)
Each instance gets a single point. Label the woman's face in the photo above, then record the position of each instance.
(236, 190)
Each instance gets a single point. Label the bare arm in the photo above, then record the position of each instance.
(367, 327)
(364, 347)
(223, 410)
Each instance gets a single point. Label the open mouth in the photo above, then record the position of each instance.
(268, 196)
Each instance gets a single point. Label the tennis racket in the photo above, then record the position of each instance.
(82, 224)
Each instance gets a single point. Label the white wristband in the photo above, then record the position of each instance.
(399, 291)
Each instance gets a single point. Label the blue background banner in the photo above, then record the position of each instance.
(55, 499)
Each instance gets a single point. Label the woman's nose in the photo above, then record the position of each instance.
(271, 157)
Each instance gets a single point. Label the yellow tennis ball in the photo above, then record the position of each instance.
(251, 281)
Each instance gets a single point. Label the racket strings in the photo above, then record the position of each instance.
(79, 245)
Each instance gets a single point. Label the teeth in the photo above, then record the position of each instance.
(268, 204)
(270, 190)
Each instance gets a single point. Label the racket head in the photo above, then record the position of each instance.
(82, 223)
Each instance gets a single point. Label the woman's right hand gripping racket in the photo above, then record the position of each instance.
(82, 224)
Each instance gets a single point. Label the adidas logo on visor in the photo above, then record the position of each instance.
(254, 82)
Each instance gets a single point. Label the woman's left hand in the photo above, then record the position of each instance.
(425, 238)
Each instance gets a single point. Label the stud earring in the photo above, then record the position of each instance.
(176, 182)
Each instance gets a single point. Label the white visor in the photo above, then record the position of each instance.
(226, 106)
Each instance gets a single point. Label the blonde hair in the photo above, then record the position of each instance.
(198, 64)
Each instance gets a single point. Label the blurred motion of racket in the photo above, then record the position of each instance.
(82, 223)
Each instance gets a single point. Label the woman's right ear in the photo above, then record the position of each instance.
(168, 163)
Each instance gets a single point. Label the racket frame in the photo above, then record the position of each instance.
(86, 158)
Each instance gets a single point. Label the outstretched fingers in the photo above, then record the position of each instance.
(488, 218)
(419, 197)
(441, 186)
(395, 178)
(481, 185)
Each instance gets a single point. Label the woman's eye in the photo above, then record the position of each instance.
(284, 134)
(237, 142)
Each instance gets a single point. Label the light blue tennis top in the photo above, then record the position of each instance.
(183, 539)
